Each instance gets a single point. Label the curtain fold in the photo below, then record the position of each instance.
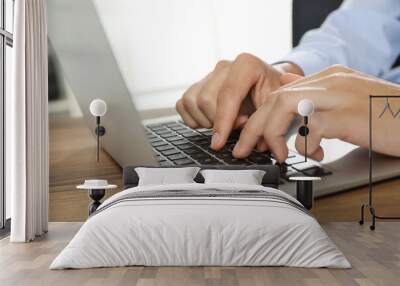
(27, 122)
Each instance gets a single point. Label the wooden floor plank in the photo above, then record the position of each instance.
(374, 257)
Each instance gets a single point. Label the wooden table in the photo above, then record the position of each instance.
(73, 159)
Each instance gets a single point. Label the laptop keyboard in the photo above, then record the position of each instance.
(177, 144)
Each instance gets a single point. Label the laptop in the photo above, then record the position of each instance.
(90, 68)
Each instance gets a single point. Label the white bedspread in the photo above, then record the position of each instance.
(227, 231)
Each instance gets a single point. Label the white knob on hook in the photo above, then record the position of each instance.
(98, 107)
(305, 107)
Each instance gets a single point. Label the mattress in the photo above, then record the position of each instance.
(201, 225)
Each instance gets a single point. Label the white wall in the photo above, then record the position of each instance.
(164, 46)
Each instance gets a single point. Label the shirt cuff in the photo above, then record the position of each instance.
(309, 62)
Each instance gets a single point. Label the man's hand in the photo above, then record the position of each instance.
(227, 96)
(340, 97)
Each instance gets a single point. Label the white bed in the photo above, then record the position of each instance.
(258, 226)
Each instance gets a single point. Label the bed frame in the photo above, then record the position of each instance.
(270, 179)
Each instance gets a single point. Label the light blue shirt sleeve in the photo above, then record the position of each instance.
(361, 34)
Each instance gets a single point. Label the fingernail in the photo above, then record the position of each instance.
(237, 149)
(215, 140)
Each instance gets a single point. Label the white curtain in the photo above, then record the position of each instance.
(27, 124)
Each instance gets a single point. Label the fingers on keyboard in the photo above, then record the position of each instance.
(181, 145)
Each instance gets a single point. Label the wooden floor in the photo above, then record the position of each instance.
(375, 257)
(73, 159)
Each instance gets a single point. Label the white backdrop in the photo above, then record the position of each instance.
(164, 46)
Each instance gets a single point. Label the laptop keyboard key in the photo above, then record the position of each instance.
(178, 128)
(207, 132)
(164, 147)
(189, 135)
(224, 155)
(203, 143)
(183, 162)
(197, 138)
(211, 151)
(180, 142)
(200, 155)
(185, 131)
(155, 127)
(177, 156)
(168, 135)
(203, 130)
(160, 130)
(229, 146)
(186, 146)
(172, 124)
(158, 143)
(155, 140)
(175, 138)
(192, 150)
(165, 133)
(170, 152)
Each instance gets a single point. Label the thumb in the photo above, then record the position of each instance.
(287, 78)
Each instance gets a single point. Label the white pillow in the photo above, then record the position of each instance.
(164, 176)
(247, 177)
